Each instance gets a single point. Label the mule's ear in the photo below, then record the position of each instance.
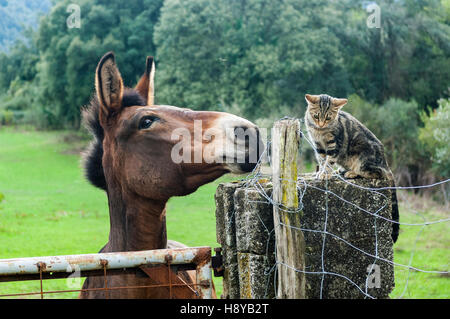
(146, 85)
(313, 99)
(109, 84)
(339, 102)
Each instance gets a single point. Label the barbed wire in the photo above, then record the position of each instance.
(254, 181)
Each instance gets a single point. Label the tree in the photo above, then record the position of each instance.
(68, 56)
(435, 136)
(257, 54)
(254, 57)
(407, 58)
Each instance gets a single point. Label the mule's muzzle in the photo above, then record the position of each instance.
(250, 148)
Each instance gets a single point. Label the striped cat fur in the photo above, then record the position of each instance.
(341, 139)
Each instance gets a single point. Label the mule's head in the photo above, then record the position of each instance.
(163, 151)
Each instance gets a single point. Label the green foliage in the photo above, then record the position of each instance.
(18, 67)
(254, 54)
(399, 127)
(68, 56)
(6, 117)
(390, 61)
(61, 61)
(435, 135)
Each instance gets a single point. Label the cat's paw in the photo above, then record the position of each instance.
(350, 174)
(323, 175)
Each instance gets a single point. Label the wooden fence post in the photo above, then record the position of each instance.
(290, 243)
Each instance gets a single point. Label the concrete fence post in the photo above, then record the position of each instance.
(261, 243)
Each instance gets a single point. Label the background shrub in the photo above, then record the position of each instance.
(435, 136)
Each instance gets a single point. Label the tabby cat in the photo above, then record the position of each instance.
(341, 139)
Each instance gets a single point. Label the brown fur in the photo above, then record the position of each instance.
(141, 177)
(145, 86)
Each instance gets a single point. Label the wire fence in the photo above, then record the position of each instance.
(303, 184)
(253, 181)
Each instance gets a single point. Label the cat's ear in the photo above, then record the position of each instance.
(312, 99)
(339, 102)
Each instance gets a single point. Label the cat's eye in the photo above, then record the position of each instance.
(328, 118)
(147, 122)
(316, 116)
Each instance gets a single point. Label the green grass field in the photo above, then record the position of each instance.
(50, 209)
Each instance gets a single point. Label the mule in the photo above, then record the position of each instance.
(132, 159)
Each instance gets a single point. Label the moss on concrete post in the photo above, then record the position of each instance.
(254, 245)
(358, 239)
(226, 237)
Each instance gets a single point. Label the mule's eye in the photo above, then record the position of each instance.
(146, 122)
(316, 116)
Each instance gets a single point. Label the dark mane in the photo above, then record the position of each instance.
(92, 157)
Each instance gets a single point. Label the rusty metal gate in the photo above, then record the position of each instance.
(107, 264)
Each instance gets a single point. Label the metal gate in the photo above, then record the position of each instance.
(107, 264)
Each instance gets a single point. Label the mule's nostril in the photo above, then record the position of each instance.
(240, 132)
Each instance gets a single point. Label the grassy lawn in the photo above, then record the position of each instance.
(428, 246)
(50, 209)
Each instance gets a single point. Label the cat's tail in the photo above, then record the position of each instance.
(395, 215)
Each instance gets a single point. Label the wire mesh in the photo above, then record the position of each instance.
(253, 181)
